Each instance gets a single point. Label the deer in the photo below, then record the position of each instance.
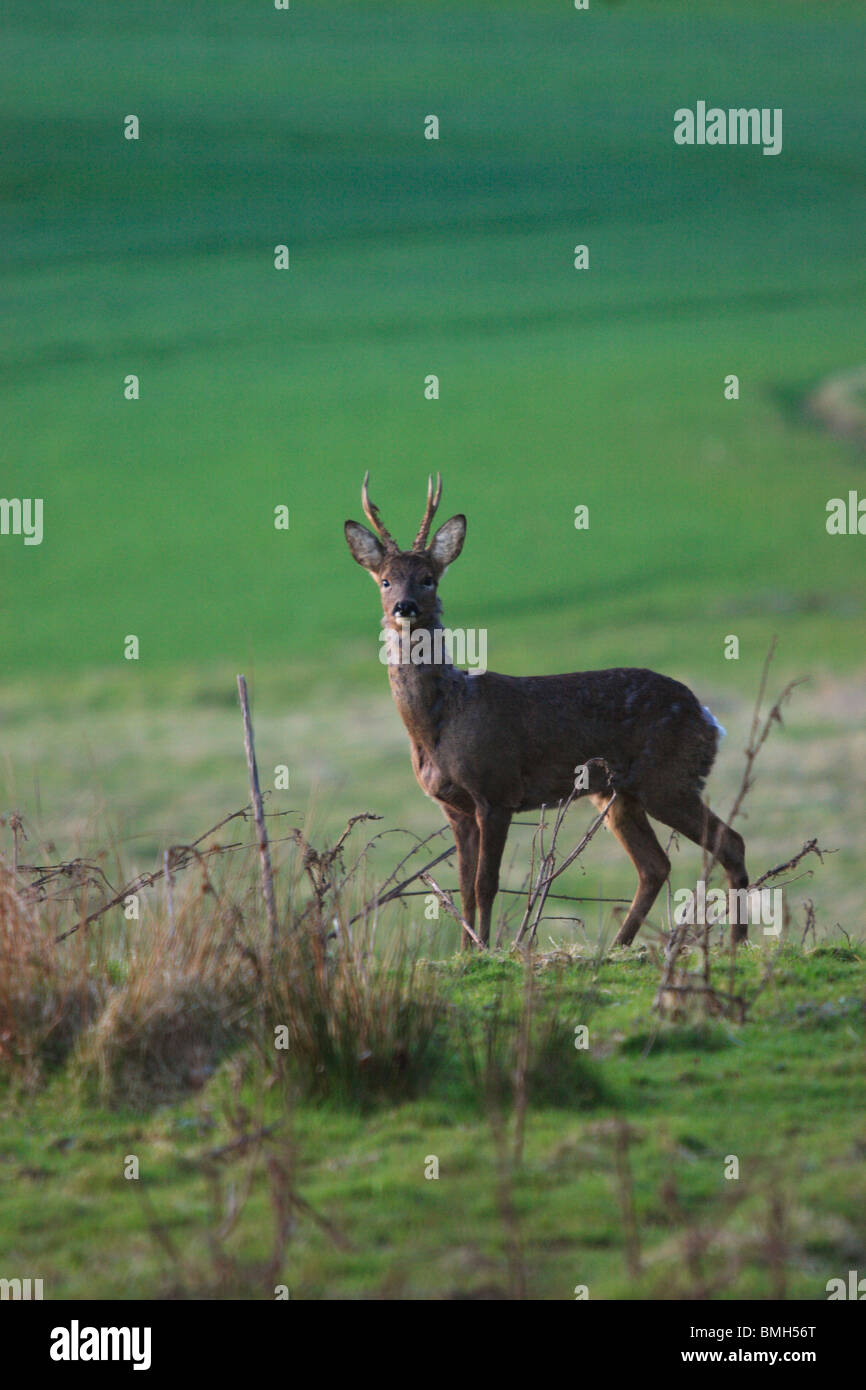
(487, 746)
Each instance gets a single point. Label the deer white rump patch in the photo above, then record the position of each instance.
(713, 721)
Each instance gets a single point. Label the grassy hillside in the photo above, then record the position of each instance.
(558, 387)
(411, 256)
(648, 1119)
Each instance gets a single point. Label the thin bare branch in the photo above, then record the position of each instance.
(450, 906)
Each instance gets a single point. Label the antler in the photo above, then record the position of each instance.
(420, 542)
(372, 514)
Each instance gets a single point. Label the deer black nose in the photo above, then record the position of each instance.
(406, 609)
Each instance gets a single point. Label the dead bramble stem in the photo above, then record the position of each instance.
(264, 851)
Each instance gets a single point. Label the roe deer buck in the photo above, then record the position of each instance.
(485, 746)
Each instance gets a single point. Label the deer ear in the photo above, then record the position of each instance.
(448, 542)
(364, 546)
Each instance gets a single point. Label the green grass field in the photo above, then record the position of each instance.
(558, 387)
(410, 256)
(783, 1094)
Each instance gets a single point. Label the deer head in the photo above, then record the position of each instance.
(407, 579)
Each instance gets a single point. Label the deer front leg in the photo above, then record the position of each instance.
(466, 839)
(493, 827)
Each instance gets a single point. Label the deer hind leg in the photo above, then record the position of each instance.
(493, 829)
(627, 819)
(466, 838)
(692, 818)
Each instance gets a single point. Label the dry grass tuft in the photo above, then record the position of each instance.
(361, 1027)
(180, 1008)
(47, 996)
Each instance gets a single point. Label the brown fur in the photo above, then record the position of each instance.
(486, 746)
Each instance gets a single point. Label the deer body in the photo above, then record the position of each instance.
(486, 746)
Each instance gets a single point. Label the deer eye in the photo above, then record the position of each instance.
(427, 582)
(386, 583)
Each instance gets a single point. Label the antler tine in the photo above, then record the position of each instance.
(371, 512)
(429, 511)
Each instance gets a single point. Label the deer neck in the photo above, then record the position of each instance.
(421, 672)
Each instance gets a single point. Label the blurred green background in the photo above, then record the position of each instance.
(410, 257)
